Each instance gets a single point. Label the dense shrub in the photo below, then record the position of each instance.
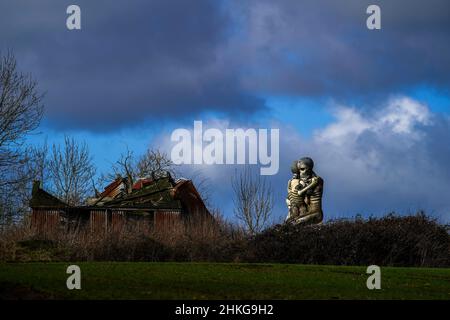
(389, 241)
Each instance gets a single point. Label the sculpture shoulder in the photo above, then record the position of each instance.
(293, 183)
(318, 180)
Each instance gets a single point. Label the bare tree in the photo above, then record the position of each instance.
(154, 163)
(253, 200)
(14, 198)
(20, 113)
(36, 167)
(126, 166)
(71, 171)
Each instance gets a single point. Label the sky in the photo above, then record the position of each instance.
(371, 107)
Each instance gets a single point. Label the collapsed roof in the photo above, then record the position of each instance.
(146, 193)
(152, 194)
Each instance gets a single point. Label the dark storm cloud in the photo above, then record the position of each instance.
(324, 48)
(131, 60)
(138, 59)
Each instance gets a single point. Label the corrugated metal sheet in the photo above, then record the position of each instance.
(117, 220)
(45, 221)
(165, 219)
(142, 183)
(99, 221)
(113, 189)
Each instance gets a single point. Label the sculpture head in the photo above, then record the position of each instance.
(294, 170)
(305, 167)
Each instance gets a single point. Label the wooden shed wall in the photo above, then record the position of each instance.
(45, 221)
(98, 221)
(165, 219)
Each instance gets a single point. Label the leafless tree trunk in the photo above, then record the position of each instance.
(71, 171)
(253, 200)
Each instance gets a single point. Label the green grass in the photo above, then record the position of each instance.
(135, 280)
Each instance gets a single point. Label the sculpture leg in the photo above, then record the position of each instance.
(293, 213)
(312, 218)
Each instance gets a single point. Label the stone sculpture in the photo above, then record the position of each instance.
(305, 189)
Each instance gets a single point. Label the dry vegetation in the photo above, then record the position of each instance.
(389, 241)
(196, 240)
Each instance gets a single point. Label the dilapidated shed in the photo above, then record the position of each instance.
(156, 202)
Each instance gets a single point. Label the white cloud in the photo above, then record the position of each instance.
(402, 114)
(391, 159)
(384, 160)
(349, 124)
(399, 116)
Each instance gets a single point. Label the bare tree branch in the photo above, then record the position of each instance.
(253, 200)
(14, 198)
(71, 171)
(20, 113)
(154, 163)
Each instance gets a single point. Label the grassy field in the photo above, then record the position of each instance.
(103, 280)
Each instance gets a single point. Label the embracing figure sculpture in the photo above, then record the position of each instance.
(304, 199)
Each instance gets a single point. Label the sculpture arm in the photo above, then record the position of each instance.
(314, 182)
(288, 202)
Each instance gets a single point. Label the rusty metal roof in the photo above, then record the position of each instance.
(110, 188)
(157, 194)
